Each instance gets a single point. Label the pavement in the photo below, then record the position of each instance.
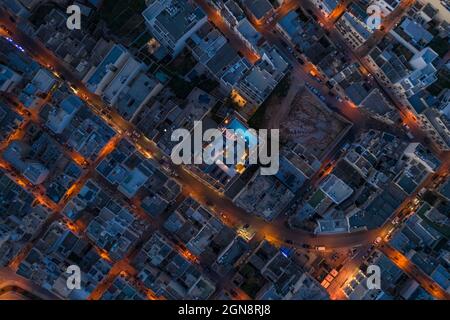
(191, 185)
(414, 272)
(276, 232)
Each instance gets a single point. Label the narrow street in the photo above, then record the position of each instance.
(276, 232)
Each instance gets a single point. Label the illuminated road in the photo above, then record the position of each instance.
(337, 13)
(191, 185)
(408, 117)
(8, 278)
(56, 208)
(286, 7)
(39, 191)
(302, 74)
(305, 74)
(388, 23)
(414, 272)
(76, 187)
(346, 273)
(359, 119)
(276, 232)
(408, 207)
(32, 115)
(215, 17)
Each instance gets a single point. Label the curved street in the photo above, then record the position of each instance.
(191, 185)
(277, 231)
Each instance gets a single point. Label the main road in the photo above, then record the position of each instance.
(336, 37)
(361, 122)
(414, 272)
(10, 281)
(191, 185)
(388, 23)
(222, 206)
(215, 17)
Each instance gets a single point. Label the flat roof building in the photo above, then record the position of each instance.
(172, 22)
(8, 78)
(60, 118)
(33, 93)
(336, 189)
(98, 78)
(258, 9)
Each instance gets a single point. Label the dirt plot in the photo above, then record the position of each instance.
(312, 124)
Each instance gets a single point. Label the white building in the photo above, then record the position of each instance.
(354, 31)
(260, 81)
(123, 77)
(172, 22)
(34, 93)
(248, 34)
(99, 77)
(423, 72)
(417, 152)
(336, 189)
(60, 118)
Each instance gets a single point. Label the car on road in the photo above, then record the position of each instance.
(329, 165)
(300, 60)
(389, 234)
(329, 85)
(73, 87)
(8, 32)
(135, 135)
(85, 164)
(396, 220)
(61, 77)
